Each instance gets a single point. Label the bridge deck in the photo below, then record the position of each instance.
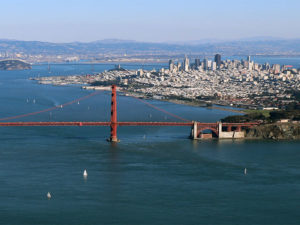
(22, 124)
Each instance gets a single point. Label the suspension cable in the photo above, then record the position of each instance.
(161, 110)
(50, 109)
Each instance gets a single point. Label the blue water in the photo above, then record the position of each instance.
(154, 175)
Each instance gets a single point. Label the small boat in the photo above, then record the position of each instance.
(85, 174)
(49, 195)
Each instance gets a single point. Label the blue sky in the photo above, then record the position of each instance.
(151, 20)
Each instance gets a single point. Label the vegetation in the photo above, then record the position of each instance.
(14, 65)
(287, 114)
(295, 94)
(251, 117)
(105, 83)
(266, 113)
(264, 116)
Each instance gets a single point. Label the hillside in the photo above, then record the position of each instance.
(14, 65)
(243, 47)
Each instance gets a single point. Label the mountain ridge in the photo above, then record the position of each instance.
(118, 46)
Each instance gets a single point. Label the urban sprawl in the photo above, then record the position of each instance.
(241, 83)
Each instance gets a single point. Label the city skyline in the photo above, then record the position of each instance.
(155, 21)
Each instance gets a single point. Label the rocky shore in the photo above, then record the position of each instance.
(275, 131)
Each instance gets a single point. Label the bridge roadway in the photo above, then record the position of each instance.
(25, 124)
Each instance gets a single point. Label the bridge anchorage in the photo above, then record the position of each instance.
(220, 130)
(198, 129)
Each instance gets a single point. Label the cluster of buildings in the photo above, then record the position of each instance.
(218, 64)
(198, 65)
(241, 83)
(38, 58)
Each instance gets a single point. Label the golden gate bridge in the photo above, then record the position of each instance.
(197, 128)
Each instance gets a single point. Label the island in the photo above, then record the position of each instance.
(14, 65)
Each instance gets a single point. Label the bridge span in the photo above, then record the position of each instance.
(198, 129)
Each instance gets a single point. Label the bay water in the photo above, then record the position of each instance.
(155, 175)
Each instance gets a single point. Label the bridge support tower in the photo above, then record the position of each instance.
(113, 116)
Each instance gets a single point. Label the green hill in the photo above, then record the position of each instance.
(14, 65)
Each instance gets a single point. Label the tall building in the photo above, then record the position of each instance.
(171, 65)
(249, 58)
(197, 63)
(214, 66)
(178, 66)
(205, 64)
(250, 66)
(209, 64)
(218, 60)
(186, 64)
(276, 68)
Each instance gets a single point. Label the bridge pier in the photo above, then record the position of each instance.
(194, 133)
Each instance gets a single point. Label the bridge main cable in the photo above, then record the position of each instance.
(50, 109)
(161, 110)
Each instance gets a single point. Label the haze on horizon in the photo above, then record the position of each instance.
(151, 21)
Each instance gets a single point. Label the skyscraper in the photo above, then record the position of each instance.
(186, 64)
(171, 65)
(218, 60)
(205, 62)
(213, 66)
(197, 63)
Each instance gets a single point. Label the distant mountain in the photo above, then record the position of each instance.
(252, 46)
(114, 41)
(14, 65)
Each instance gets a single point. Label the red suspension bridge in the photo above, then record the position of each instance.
(232, 130)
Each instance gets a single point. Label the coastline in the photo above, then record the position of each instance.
(175, 101)
(181, 102)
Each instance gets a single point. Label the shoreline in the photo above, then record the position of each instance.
(184, 102)
(175, 101)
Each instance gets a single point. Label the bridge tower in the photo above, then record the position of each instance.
(113, 117)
